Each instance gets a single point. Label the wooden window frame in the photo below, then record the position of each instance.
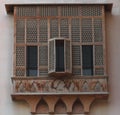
(59, 16)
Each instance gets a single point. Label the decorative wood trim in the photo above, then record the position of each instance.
(14, 53)
(51, 101)
(32, 101)
(10, 7)
(104, 40)
(87, 101)
(69, 101)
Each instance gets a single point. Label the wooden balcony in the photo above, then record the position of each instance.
(84, 89)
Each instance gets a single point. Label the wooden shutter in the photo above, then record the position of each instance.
(68, 56)
(51, 67)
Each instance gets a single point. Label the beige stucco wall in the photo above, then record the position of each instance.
(110, 107)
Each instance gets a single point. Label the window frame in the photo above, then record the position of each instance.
(67, 72)
(102, 17)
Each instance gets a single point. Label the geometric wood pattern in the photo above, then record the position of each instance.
(86, 30)
(99, 55)
(83, 24)
(77, 25)
(75, 30)
(20, 33)
(91, 10)
(50, 86)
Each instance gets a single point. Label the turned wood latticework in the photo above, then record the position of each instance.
(78, 25)
(82, 24)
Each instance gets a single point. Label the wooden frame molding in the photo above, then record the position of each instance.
(10, 7)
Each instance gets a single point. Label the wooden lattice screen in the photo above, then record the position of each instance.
(82, 24)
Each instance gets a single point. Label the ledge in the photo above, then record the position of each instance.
(52, 78)
(58, 93)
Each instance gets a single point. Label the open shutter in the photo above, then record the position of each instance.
(51, 58)
(60, 59)
(68, 60)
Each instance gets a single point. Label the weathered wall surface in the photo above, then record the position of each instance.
(110, 107)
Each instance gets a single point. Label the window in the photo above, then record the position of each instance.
(87, 59)
(68, 39)
(31, 61)
(59, 56)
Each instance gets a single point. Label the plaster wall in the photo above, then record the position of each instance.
(110, 107)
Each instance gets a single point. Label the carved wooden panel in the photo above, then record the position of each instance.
(31, 31)
(86, 30)
(99, 71)
(51, 55)
(68, 10)
(20, 56)
(54, 32)
(75, 30)
(68, 56)
(20, 33)
(20, 72)
(91, 10)
(43, 30)
(26, 11)
(43, 55)
(60, 86)
(76, 60)
(64, 28)
(48, 11)
(98, 30)
(99, 55)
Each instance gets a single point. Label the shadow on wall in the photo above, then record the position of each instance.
(99, 107)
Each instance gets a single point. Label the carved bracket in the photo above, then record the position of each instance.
(59, 103)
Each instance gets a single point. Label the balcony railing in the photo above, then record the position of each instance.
(82, 85)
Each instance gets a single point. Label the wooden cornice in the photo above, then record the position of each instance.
(10, 7)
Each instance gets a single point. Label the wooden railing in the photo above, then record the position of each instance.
(81, 85)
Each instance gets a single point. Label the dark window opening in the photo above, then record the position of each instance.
(59, 55)
(87, 59)
(31, 61)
